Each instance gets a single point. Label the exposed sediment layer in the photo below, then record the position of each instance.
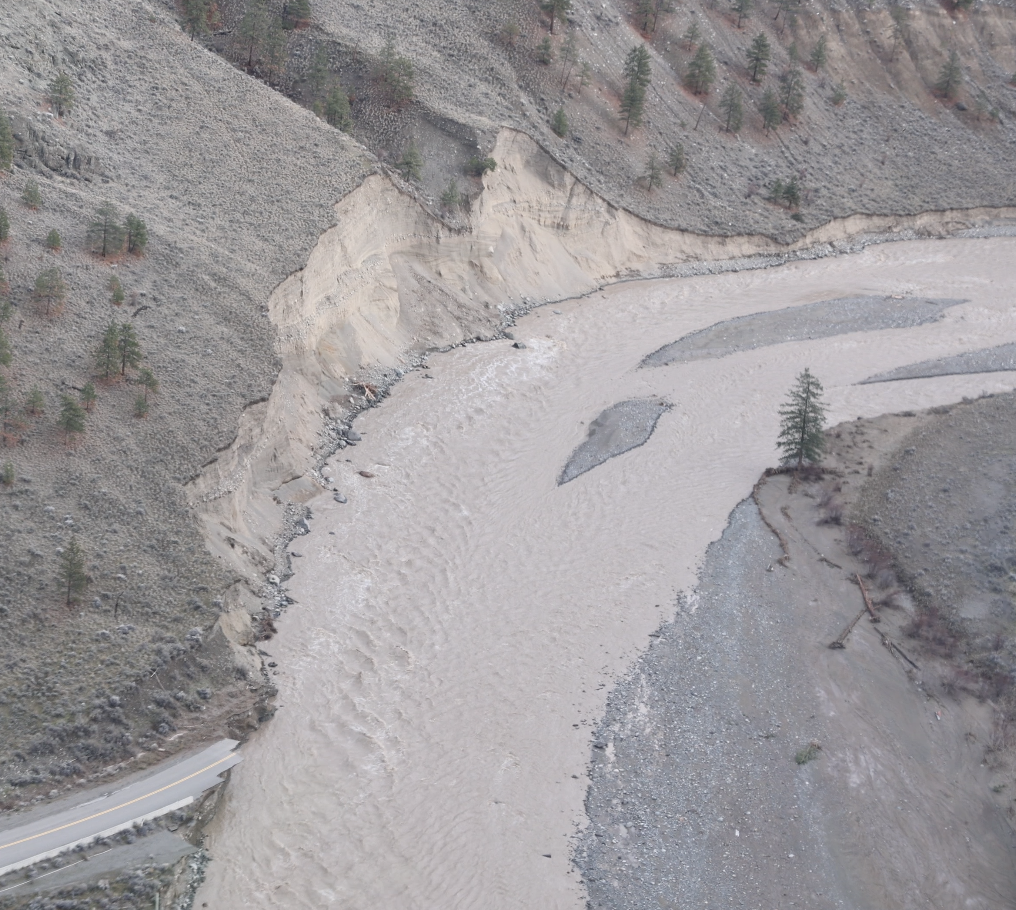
(390, 282)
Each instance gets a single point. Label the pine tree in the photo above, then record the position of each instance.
(638, 71)
(30, 194)
(61, 94)
(759, 55)
(733, 108)
(50, 291)
(785, 6)
(296, 13)
(653, 173)
(136, 233)
(71, 419)
(802, 419)
(950, 78)
(317, 75)
(792, 92)
(560, 122)
(195, 16)
(569, 57)
(633, 103)
(5, 350)
(411, 163)
(140, 406)
(692, 36)
(743, 10)
(819, 54)
(337, 110)
(105, 236)
(149, 380)
(252, 31)
(274, 55)
(585, 75)
(545, 52)
(644, 13)
(701, 71)
(770, 110)
(53, 242)
(396, 75)
(839, 94)
(676, 160)
(509, 34)
(557, 9)
(116, 294)
(477, 166)
(637, 66)
(88, 395)
(7, 473)
(107, 355)
(128, 348)
(5, 225)
(792, 194)
(6, 143)
(72, 575)
(5, 409)
(35, 403)
(451, 198)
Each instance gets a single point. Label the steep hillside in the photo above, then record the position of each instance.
(891, 146)
(268, 284)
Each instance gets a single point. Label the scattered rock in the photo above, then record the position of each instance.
(338, 497)
(365, 474)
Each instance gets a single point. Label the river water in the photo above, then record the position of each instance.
(460, 620)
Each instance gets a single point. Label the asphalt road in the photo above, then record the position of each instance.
(168, 788)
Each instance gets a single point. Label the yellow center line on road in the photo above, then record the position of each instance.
(130, 802)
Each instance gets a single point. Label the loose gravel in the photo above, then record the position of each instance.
(695, 798)
(620, 428)
(999, 359)
(823, 319)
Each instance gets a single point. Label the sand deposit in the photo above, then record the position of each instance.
(459, 621)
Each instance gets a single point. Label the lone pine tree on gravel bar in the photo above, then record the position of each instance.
(802, 420)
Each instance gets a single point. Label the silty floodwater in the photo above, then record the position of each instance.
(459, 621)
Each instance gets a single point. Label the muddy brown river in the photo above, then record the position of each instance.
(461, 619)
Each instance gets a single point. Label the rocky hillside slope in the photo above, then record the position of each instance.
(261, 259)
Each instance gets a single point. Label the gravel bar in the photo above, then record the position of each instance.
(620, 428)
(823, 319)
(999, 359)
(695, 799)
